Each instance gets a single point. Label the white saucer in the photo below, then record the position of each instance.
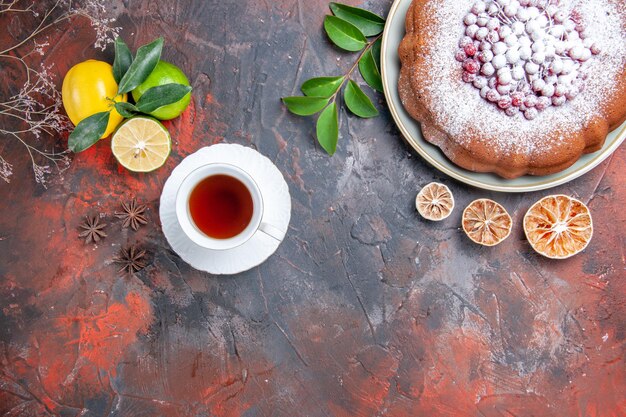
(277, 210)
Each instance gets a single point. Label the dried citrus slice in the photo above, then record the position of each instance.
(141, 144)
(486, 222)
(434, 201)
(558, 226)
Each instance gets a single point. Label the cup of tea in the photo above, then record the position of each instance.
(220, 206)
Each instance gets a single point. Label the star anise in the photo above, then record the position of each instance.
(131, 259)
(92, 229)
(133, 214)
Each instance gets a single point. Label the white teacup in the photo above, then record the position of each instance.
(200, 238)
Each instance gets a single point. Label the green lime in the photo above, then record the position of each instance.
(165, 73)
(141, 144)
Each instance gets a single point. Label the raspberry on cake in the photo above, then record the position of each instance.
(515, 86)
(532, 33)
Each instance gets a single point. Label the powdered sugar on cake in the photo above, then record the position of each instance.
(528, 96)
(525, 55)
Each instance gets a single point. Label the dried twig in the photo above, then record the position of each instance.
(36, 109)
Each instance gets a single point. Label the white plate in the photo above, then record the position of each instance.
(259, 247)
(390, 66)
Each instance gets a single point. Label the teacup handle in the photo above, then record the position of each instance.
(271, 231)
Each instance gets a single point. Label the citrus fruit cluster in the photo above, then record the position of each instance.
(96, 98)
(557, 226)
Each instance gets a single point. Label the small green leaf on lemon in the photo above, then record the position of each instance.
(88, 131)
(327, 129)
(344, 34)
(161, 95)
(322, 86)
(123, 59)
(146, 59)
(305, 106)
(368, 23)
(358, 102)
(369, 71)
(164, 73)
(126, 110)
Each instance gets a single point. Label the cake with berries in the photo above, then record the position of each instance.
(515, 87)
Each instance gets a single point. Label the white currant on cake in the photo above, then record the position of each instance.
(525, 55)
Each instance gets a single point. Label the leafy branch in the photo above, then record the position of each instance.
(348, 28)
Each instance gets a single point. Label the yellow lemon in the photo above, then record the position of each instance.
(88, 88)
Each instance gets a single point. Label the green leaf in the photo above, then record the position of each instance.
(376, 52)
(126, 110)
(369, 71)
(88, 131)
(358, 102)
(368, 23)
(305, 106)
(146, 59)
(344, 34)
(161, 95)
(123, 59)
(327, 129)
(322, 86)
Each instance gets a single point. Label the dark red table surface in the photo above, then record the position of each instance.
(364, 310)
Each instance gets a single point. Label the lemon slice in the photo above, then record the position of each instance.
(434, 202)
(486, 222)
(141, 144)
(558, 226)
